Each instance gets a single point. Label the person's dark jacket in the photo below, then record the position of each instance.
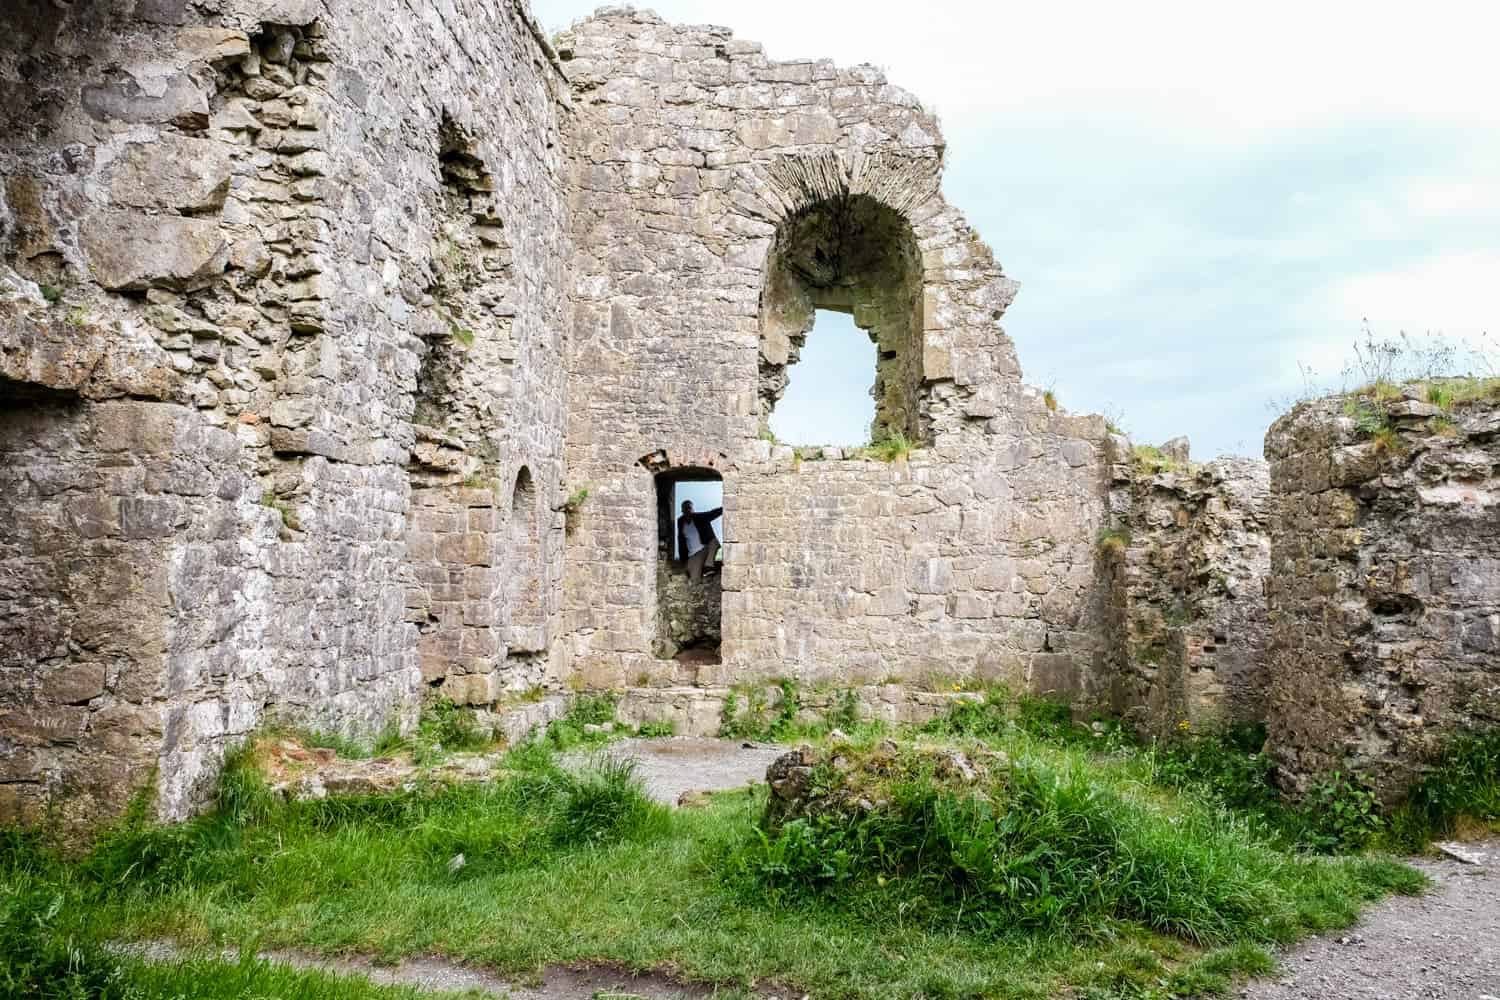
(704, 523)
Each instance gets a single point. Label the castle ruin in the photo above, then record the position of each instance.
(317, 318)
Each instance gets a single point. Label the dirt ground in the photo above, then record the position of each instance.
(681, 764)
(1441, 946)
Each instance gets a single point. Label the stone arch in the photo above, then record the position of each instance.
(527, 632)
(523, 494)
(849, 253)
(954, 367)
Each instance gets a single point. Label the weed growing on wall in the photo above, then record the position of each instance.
(749, 713)
(1149, 460)
(584, 711)
(1112, 542)
(446, 728)
(889, 449)
(1462, 785)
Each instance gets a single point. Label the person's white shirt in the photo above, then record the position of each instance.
(690, 535)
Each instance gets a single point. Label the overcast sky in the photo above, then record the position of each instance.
(1195, 197)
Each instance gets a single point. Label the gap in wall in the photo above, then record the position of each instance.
(828, 399)
(689, 612)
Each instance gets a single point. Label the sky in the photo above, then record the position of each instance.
(1198, 200)
(705, 496)
(827, 398)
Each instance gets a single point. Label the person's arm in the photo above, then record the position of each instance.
(711, 515)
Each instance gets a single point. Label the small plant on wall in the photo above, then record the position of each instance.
(572, 506)
(1113, 542)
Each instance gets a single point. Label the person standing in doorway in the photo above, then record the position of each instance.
(696, 539)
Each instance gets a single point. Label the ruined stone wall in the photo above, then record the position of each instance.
(1189, 565)
(133, 614)
(919, 570)
(283, 223)
(722, 197)
(1385, 584)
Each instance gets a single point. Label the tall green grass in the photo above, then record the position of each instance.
(50, 950)
(51, 924)
(1463, 783)
(1090, 866)
(1054, 843)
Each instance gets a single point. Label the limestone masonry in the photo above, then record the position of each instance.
(318, 317)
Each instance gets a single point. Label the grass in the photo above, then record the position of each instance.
(570, 732)
(1047, 844)
(754, 712)
(1473, 389)
(1149, 460)
(1461, 790)
(1369, 407)
(889, 449)
(444, 728)
(1096, 868)
(54, 918)
(387, 741)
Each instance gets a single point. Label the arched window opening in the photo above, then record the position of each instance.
(527, 633)
(690, 535)
(523, 497)
(848, 254)
(829, 399)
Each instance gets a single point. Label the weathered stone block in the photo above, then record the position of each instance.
(175, 172)
(131, 251)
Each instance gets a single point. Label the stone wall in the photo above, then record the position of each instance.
(1189, 567)
(723, 196)
(243, 242)
(132, 614)
(700, 710)
(1385, 584)
(918, 570)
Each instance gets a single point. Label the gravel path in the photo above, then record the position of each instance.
(680, 764)
(595, 981)
(1441, 946)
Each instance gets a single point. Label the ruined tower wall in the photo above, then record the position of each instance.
(1385, 585)
(1190, 632)
(708, 174)
(233, 236)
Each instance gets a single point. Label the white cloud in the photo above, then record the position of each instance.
(1456, 294)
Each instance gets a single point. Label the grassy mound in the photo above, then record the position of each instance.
(1048, 842)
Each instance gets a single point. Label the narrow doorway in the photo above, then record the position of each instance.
(689, 558)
